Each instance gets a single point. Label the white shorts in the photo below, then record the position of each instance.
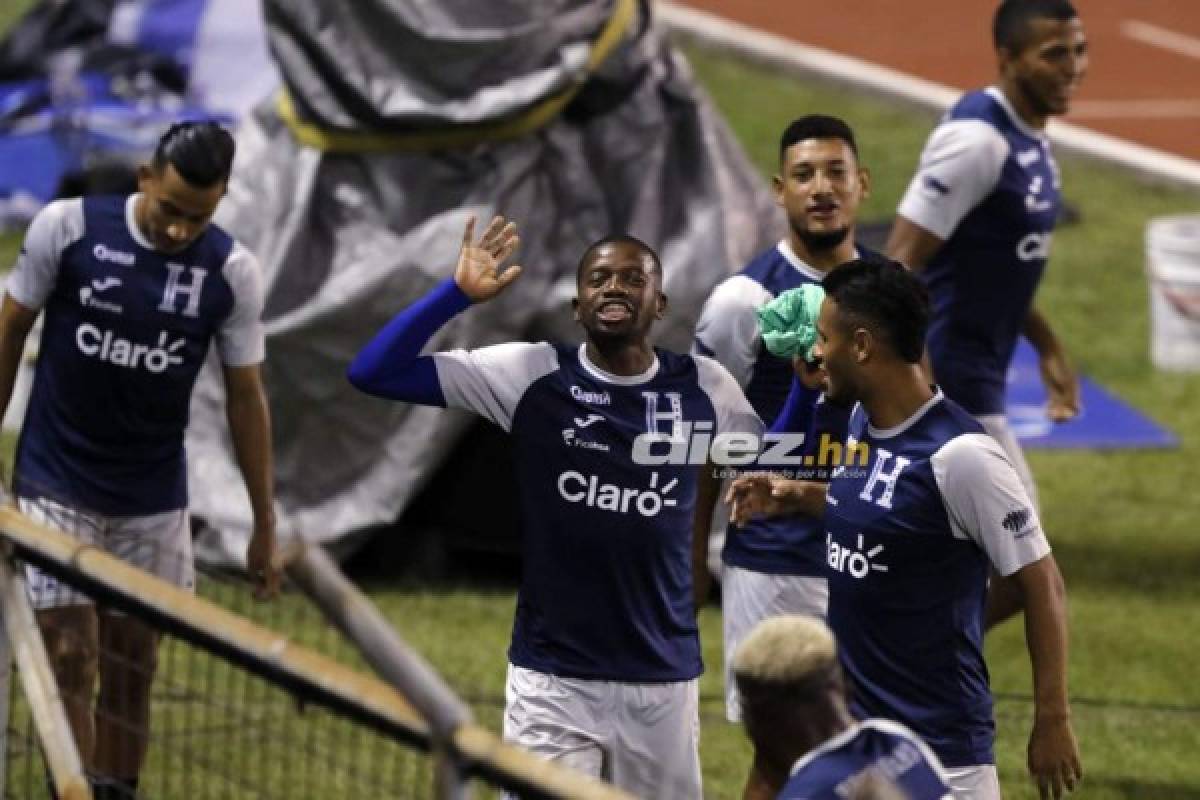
(642, 737)
(748, 597)
(160, 544)
(979, 782)
(997, 427)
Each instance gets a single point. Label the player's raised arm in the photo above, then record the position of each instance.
(391, 364)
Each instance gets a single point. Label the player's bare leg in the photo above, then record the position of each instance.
(128, 657)
(70, 634)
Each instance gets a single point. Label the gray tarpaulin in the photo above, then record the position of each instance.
(348, 234)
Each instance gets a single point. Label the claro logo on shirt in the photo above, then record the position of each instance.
(1034, 246)
(856, 562)
(591, 491)
(119, 351)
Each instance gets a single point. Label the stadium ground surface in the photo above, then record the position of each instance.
(1142, 86)
(1123, 524)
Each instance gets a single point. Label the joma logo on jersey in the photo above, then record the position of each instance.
(575, 487)
(88, 299)
(108, 347)
(855, 562)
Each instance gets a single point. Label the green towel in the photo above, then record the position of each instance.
(789, 322)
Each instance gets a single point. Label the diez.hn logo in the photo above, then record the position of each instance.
(696, 445)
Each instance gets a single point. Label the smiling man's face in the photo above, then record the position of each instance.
(619, 292)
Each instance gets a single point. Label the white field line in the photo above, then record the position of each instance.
(799, 58)
(1163, 38)
(1135, 109)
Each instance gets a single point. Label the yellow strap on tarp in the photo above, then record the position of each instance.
(461, 136)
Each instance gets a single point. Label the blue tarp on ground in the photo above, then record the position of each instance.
(108, 99)
(1105, 423)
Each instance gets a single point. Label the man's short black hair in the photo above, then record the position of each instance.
(816, 126)
(618, 238)
(886, 297)
(201, 152)
(1010, 26)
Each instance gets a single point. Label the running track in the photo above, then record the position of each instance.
(1143, 85)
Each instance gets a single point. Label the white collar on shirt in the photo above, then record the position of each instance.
(896, 430)
(998, 95)
(785, 249)
(620, 380)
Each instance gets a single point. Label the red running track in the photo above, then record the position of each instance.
(1143, 85)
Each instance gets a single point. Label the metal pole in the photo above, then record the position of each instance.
(41, 689)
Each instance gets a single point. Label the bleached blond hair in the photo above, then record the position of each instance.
(784, 650)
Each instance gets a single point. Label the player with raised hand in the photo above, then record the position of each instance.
(134, 291)
(605, 651)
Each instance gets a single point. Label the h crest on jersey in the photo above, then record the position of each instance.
(177, 286)
(881, 473)
(666, 418)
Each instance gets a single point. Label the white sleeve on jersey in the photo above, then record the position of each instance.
(960, 165)
(240, 338)
(54, 228)
(734, 412)
(491, 380)
(728, 328)
(987, 503)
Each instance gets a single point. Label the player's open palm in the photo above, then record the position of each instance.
(1054, 757)
(480, 270)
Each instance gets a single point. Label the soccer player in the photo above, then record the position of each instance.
(978, 218)
(605, 651)
(134, 289)
(774, 566)
(809, 746)
(911, 537)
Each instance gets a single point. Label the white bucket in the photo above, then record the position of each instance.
(1173, 271)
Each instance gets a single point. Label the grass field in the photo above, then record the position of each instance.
(1124, 524)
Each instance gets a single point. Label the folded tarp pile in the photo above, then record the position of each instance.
(398, 119)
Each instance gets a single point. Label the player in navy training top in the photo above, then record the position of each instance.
(134, 289)
(978, 219)
(806, 743)
(605, 651)
(775, 566)
(910, 540)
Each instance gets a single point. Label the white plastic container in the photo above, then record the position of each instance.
(1173, 272)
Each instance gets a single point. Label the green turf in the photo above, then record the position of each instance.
(1124, 524)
